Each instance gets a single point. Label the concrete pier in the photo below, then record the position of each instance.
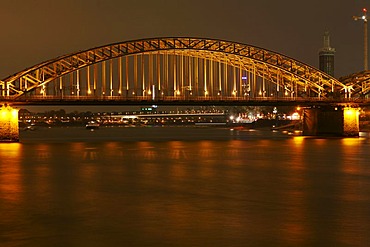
(331, 121)
(9, 131)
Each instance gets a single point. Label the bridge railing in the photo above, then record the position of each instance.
(160, 98)
(44, 99)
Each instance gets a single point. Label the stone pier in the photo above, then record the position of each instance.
(331, 121)
(9, 131)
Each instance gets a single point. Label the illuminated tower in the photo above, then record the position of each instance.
(326, 56)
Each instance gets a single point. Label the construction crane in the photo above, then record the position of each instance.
(364, 18)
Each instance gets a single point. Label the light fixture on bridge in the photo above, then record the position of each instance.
(205, 92)
(234, 92)
(89, 91)
(178, 92)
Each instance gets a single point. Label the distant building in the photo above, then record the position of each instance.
(326, 56)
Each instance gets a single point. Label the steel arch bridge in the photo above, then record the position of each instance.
(172, 70)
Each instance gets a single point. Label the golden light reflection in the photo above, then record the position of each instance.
(353, 193)
(296, 160)
(233, 151)
(11, 174)
(178, 171)
(78, 147)
(206, 150)
(43, 153)
(350, 152)
(351, 142)
(42, 170)
(320, 141)
(177, 151)
(298, 140)
(112, 148)
(90, 154)
(294, 230)
(89, 173)
(147, 154)
(147, 150)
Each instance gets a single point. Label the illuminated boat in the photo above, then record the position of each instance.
(31, 127)
(92, 125)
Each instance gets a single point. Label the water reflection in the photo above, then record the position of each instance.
(11, 186)
(355, 192)
(293, 191)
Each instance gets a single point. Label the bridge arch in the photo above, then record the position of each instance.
(172, 67)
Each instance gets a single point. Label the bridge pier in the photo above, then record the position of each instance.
(9, 131)
(331, 121)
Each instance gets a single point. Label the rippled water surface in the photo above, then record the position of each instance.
(183, 187)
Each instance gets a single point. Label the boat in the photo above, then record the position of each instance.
(31, 127)
(92, 125)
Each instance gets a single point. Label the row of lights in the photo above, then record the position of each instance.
(177, 92)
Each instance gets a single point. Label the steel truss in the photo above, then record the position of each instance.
(357, 84)
(286, 74)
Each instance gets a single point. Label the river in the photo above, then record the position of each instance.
(183, 186)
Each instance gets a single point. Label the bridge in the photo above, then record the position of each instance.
(180, 71)
(177, 70)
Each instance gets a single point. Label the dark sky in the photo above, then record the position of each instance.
(33, 31)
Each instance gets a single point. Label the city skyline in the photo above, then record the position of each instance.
(39, 30)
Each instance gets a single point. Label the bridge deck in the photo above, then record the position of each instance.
(217, 101)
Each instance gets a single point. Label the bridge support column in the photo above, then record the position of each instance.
(331, 121)
(9, 131)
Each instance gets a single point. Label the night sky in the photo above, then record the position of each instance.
(33, 31)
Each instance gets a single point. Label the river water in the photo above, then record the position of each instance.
(183, 186)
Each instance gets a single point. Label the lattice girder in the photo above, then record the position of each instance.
(357, 83)
(265, 63)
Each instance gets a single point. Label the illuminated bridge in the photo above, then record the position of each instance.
(175, 71)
